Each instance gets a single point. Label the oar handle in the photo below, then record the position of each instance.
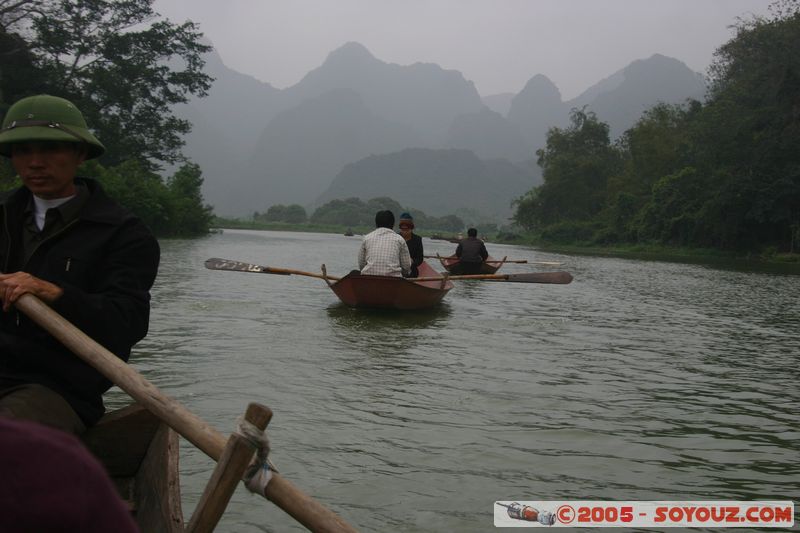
(280, 491)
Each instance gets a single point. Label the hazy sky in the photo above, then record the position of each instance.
(497, 44)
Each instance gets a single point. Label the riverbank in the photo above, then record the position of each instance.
(228, 223)
(775, 262)
(772, 262)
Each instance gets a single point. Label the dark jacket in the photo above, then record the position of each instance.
(105, 261)
(472, 250)
(416, 252)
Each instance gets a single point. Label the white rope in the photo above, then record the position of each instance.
(259, 473)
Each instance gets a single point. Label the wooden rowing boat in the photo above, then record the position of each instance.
(389, 292)
(140, 453)
(357, 290)
(490, 266)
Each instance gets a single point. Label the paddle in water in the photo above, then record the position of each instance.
(561, 278)
(495, 261)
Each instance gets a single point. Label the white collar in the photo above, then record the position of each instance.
(41, 205)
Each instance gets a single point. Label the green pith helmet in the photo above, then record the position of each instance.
(46, 118)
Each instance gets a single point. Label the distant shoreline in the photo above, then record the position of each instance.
(776, 263)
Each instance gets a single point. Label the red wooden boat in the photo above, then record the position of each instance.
(490, 266)
(391, 292)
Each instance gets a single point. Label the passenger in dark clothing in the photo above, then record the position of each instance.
(414, 243)
(63, 240)
(471, 253)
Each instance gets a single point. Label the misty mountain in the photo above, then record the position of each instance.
(422, 96)
(499, 103)
(489, 135)
(236, 110)
(537, 108)
(259, 146)
(439, 182)
(302, 148)
(618, 100)
(226, 124)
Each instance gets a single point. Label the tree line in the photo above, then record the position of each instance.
(356, 213)
(124, 68)
(723, 174)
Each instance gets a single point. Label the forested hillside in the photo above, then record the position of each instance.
(440, 182)
(721, 174)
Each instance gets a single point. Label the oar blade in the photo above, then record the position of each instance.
(215, 263)
(558, 278)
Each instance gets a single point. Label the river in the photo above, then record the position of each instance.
(640, 380)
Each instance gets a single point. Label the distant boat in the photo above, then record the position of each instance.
(349, 233)
(490, 266)
(451, 238)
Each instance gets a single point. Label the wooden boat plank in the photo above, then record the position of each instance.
(140, 453)
(121, 439)
(157, 486)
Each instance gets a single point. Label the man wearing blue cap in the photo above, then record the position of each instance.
(63, 240)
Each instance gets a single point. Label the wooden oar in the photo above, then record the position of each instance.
(521, 261)
(561, 278)
(532, 277)
(281, 492)
(215, 263)
(491, 261)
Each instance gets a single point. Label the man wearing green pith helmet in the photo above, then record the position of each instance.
(65, 241)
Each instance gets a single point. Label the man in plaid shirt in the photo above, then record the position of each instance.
(383, 252)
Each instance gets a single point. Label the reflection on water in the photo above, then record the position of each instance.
(638, 381)
(386, 320)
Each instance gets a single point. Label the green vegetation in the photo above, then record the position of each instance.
(123, 69)
(338, 216)
(306, 227)
(354, 212)
(291, 214)
(722, 175)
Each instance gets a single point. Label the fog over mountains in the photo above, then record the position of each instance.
(421, 134)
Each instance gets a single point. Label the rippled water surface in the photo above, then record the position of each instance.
(638, 381)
